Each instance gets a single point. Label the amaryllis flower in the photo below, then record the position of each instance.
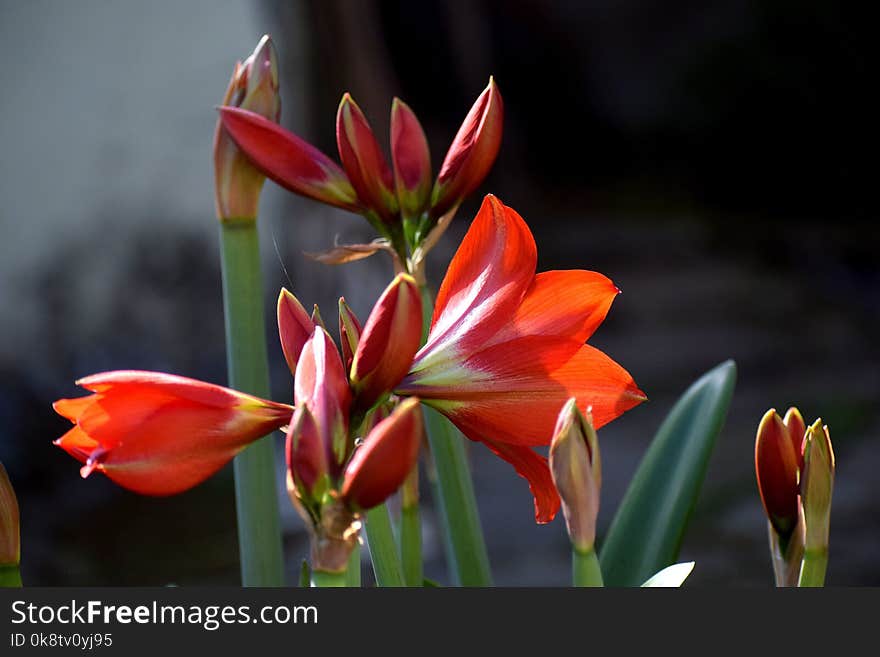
(506, 348)
(160, 434)
(366, 183)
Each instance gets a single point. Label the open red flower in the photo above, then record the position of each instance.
(506, 348)
(160, 434)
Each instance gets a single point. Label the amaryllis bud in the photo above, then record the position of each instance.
(797, 429)
(307, 454)
(289, 160)
(411, 159)
(776, 469)
(349, 333)
(363, 160)
(10, 547)
(817, 485)
(295, 327)
(389, 341)
(321, 385)
(577, 473)
(159, 434)
(472, 153)
(382, 463)
(254, 87)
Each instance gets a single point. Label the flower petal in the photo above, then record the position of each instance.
(512, 392)
(570, 304)
(532, 467)
(485, 282)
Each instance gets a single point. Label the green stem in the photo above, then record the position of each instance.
(585, 568)
(454, 489)
(259, 529)
(323, 579)
(353, 573)
(10, 577)
(411, 539)
(466, 548)
(813, 567)
(383, 550)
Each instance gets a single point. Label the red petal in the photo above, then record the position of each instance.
(533, 468)
(568, 304)
(518, 388)
(294, 327)
(485, 282)
(289, 160)
(388, 454)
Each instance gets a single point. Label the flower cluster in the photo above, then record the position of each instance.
(401, 201)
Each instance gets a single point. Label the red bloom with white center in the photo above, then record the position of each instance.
(506, 348)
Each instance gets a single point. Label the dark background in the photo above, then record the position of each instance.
(710, 157)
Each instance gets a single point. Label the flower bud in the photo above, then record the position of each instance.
(382, 463)
(289, 160)
(321, 385)
(577, 473)
(472, 153)
(10, 549)
(254, 87)
(295, 327)
(349, 333)
(817, 484)
(411, 159)
(776, 469)
(363, 161)
(307, 455)
(388, 343)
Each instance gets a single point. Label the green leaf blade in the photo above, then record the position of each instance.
(649, 525)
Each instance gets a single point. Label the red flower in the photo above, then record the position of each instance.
(506, 348)
(159, 434)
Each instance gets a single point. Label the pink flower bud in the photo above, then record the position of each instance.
(295, 327)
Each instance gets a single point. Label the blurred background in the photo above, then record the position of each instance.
(710, 157)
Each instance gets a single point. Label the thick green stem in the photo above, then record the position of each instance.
(585, 568)
(466, 548)
(411, 531)
(353, 573)
(10, 577)
(813, 568)
(383, 550)
(454, 490)
(323, 579)
(259, 529)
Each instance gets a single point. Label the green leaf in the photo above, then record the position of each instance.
(672, 576)
(647, 530)
(430, 583)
